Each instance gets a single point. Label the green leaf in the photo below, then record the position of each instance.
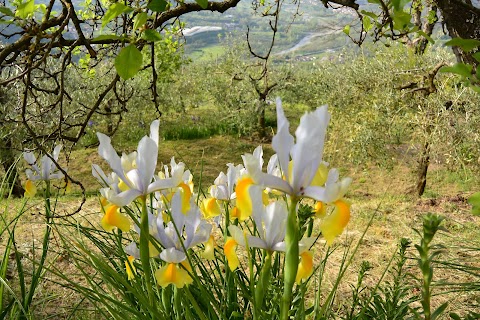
(114, 11)
(157, 5)
(6, 11)
(151, 35)
(465, 70)
(476, 56)
(420, 32)
(474, 200)
(107, 37)
(477, 90)
(346, 29)
(128, 62)
(399, 4)
(401, 20)
(139, 20)
(466, 44)
(439, 311)
(455, 316)
(374, 1)
(370, 14)
(367, 24)
(25, 9)
(202, 3)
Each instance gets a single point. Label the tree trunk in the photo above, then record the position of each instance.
(423, 164)
(462, 20)
(7, 158)
(261, 120)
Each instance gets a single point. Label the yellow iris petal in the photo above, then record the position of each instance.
(333, 225)
(320, 176)
(244, 202)
(172, 274)
(305, 267)
(166, 217)
(229, 249)
(130, 268)
(123, 186)
(114, 218)
(320, 209)
(210, 208)
(30, 189)
(235, 213)
(186, 194)
(104, 202)
(152, 250)
(209, 252)
(265, 198)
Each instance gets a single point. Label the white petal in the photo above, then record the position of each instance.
(305, 244)
(316, 193)
(256, 242)
(283, 141)
(308, 150)
(237, 234)
(154, 128)
(147, 161)
(106, 151)
(263, 179)
(275, 222)
(56, 152)
(29, 157)
(124, 198)
(258, 154)
(161, 184)
(172, 255)
(132, 250)
(163, 237)
(98, 174)
(279, 246)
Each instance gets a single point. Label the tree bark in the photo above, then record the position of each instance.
(462, 20)
(423, 169)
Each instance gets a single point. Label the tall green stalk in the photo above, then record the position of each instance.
(262, 284)
(291, 259)
(38, 272)
(144, 251)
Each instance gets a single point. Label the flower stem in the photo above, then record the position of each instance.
(291, 259)
(262, 284)
(144, 251)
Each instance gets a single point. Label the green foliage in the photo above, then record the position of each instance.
(114, 11)
(128, 62)
(427, 255)
(474, 200)
(25, 9)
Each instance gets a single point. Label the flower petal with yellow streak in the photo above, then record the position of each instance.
(333, 225)
(209, 252)
(186, 194)
(244, 202)
(210, 208)
(114, 218)
(229, 249)
(30, 189)
(130, 268)
(320, 209)
(305, 267)
(172, 274)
